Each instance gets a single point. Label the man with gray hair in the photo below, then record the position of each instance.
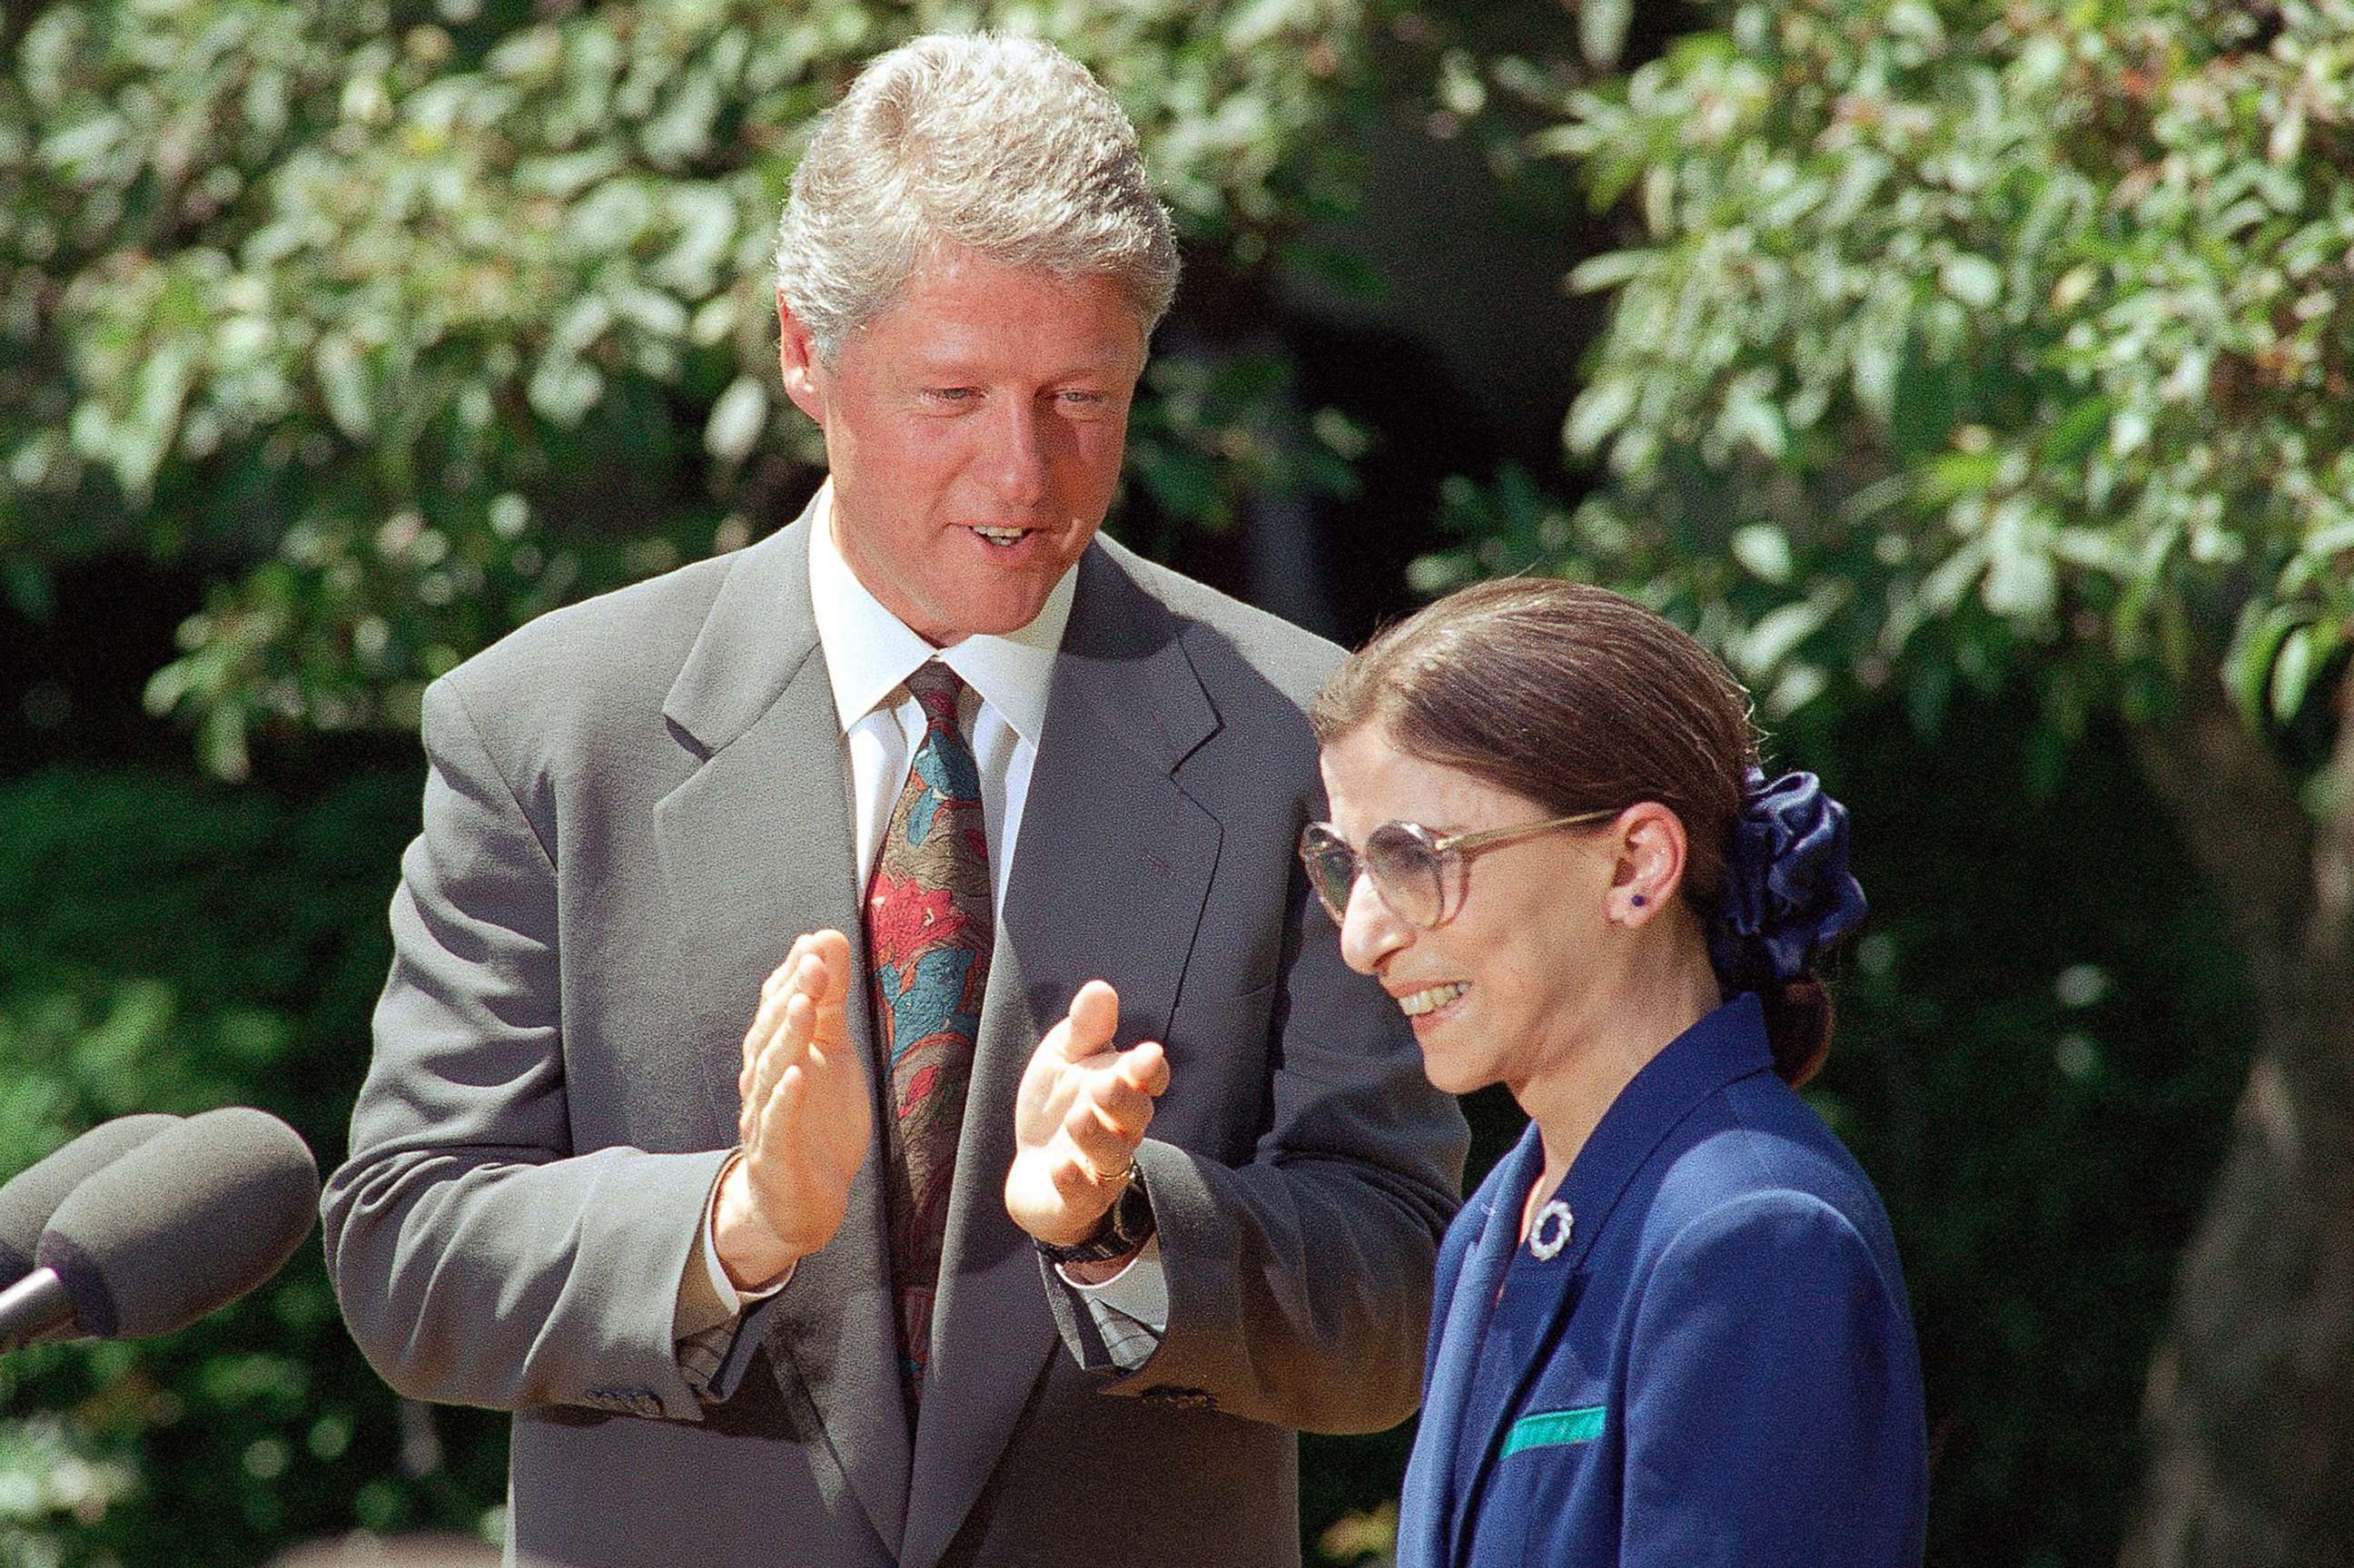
(1060, 1175)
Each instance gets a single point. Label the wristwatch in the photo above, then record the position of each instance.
(1127, 1225)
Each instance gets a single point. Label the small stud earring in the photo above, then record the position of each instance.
(1638, 901)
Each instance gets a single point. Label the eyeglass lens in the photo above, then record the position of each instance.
(1406, 871)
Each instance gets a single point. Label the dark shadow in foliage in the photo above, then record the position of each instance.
(2040, 1048)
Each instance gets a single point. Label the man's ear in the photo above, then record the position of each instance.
(1650, 863)
(797, 357)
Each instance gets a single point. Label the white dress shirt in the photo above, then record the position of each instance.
(869, 654)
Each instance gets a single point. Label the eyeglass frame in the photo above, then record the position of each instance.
(1454, 849)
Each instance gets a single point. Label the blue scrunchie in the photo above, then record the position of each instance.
(1788, 893)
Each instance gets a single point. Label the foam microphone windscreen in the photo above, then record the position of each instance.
(28, 1202)
(183, 1224)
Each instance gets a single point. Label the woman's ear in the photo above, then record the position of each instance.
(1650, 863)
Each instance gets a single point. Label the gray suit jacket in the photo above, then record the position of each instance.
(633, 806)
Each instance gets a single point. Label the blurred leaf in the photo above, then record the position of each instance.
(1765, 551)
(2255, 654)
(736, 419)
(1597, 414)
(2300, 658)
(1358, 1538)
(1973, 280)
(1602, 29)
(1596, 273)
(2078, 432)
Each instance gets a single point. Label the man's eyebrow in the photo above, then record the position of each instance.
(949, 368)
(934, 359)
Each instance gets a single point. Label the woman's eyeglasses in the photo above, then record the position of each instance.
(1414, 869)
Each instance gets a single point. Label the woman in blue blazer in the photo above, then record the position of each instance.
(1669, 1328)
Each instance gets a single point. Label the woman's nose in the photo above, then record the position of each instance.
(1370, 933)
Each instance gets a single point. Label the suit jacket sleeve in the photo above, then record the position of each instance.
(1773, 1415)
(1299, 1280)
(478, 1260)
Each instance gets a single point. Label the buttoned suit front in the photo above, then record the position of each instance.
(633, 806)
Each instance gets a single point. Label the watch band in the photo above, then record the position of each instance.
(1127, 1225)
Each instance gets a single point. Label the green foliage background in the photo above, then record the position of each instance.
(1968, 379)
(1963, 342)
(174, 945)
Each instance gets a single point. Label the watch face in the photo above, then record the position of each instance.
(1131, 1217)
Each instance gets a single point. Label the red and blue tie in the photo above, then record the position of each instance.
(930, 929)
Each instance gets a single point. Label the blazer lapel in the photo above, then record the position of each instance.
(756, 848)
(1427, 1500)
(1110, 874)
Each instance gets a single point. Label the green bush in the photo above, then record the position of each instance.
(173, 945)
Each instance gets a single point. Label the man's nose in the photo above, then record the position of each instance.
(1016, 457)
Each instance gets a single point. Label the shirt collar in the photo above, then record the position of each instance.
(869, 652)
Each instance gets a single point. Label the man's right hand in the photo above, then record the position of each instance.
(805, 1118)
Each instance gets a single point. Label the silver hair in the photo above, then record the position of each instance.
(1003, 146)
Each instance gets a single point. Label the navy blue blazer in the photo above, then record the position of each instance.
(1716, 1367)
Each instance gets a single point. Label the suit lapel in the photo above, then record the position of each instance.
(1110, 874)
(756, 848)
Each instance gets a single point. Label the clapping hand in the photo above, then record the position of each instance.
(805, 1118)
(1078, 1117)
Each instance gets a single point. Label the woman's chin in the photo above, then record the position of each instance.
(1450, 1073)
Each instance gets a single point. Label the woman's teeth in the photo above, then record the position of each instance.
(1431, 1000)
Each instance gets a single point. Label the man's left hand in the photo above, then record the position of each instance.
(1081, 1111)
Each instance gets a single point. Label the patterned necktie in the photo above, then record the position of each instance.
(929, 928)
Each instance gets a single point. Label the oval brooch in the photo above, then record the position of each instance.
(1551, 1232)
